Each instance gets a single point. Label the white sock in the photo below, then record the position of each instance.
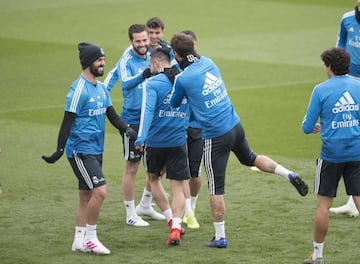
(281, 171)
(188, 209)
(219, 229)
(176, 223)
(146, 199)
(318, 250)
(79, 233)
(168, 214)
(194, 201)
(130, 208)
(90, 232)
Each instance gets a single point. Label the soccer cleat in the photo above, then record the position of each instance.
(221, 243)
(96, 247)
(174, 237)
(182, 229)
(184, 220)
(79, 246)
(136, 221)
(150, 212)
(299, 184)
(311, 261)
(345, 209)
(191, 221)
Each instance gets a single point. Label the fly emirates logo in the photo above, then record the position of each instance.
(212, 86)
(99, 111)
(345, 104)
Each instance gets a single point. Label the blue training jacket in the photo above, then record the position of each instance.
(89, 103)
(161, 125)
(201, 83)
(336, 102)
(128, 70)
(349, 39)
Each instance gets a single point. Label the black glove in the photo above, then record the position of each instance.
(164, 47)
(163, 44)
(131, 133)
(54, 157)
(147, 73)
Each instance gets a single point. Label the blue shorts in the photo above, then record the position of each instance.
(328, 175)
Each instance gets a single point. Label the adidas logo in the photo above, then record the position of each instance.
(211, 83)
(351, 29)
(91, 100)
(345, 103)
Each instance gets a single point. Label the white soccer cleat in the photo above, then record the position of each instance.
(254, 168)
(79, 246)
(345, 209)
(96, 247)
(150, 212)
(136, 220)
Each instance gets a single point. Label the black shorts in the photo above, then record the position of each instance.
(130, 152)
(195, 146)
(328, 175)
(174, 159)
(216, 155)
(87, 169)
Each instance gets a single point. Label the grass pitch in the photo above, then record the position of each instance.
(268, 52)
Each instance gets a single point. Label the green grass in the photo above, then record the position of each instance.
(268, 52)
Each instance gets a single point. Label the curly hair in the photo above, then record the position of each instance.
(338, 59)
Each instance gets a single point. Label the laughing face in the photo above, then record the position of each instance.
(140, 43)
(97, 67)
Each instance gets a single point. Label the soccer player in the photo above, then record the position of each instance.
(163, 134)
(348, 38)
(131, 70)
(336, 103)
(156, 29)
(195, 146)
(202, 85)
(82, 130)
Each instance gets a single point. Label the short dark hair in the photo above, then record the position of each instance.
(136, 28)
(160, 55)
(182, 44)
(155, 22)
(190, 33)
(338, 59)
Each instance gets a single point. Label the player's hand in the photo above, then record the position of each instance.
(140, 148)
(164, 46)
(147, 73)
(316, 128)
(54, 157)
(139, 144)
(131, 133)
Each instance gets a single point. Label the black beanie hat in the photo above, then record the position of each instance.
(88, 53)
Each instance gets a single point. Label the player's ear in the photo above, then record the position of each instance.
(176, 56)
